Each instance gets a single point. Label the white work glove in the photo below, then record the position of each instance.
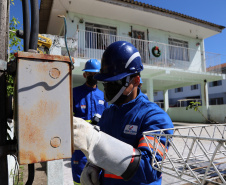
(84, 135)
(105, 151)
(90, 175)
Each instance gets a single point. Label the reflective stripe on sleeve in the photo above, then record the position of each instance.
(132, 159)
(110, 175)
(75, 183)
(151, 143)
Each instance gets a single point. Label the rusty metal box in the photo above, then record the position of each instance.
(43, 107)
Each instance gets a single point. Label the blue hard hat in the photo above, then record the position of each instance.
(92, 65)
(119, 60)
(141, 81)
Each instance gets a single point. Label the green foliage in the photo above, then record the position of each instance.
(10, 85)
(14, 45)
(14, 41)
(195, 106)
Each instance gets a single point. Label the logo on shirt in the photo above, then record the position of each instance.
(83, 106)
(75, 162)
(101, 102)
(131, 129)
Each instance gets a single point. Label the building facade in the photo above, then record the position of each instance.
(182, 96)
(171, 44)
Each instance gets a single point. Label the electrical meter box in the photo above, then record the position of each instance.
(43, 107)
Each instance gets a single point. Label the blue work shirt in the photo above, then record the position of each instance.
(127, 123)
(87, 102)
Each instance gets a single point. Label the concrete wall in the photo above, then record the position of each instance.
(180, 114)
(218, 113)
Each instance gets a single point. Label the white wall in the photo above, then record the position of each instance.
(160, 36)
(159, 96)
(180, 114)
(217, 89)
(218, 113)
(187, 92)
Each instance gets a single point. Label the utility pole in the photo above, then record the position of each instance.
(3, 96)
(3, 23)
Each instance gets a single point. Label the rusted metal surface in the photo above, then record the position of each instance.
(44, 108)
(55, 142)
(38, 56)
(54, 73)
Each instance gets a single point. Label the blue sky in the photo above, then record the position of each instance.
(209, 10)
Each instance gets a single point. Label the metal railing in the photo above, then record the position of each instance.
(93, 44)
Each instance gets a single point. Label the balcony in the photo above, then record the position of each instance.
(93, 44)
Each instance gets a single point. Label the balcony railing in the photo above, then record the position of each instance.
(93, 44)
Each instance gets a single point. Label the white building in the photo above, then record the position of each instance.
(182, 96)
(94, 24)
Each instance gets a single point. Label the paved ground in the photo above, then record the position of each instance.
(67, 172)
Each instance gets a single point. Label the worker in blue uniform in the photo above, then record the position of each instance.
(116, 149)
(88, 104)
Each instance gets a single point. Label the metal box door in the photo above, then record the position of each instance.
(43, 107)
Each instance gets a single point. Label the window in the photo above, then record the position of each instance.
(178, 49)
(193, 87)
(99, 36)
(155, 93)
(180, 89)
(138, 42)
(216, 101)
(215, 83)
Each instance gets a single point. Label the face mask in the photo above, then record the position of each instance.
(113, 90)
(91, 81)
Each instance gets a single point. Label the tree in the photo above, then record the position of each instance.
(195, 106)
(14, 46)
(14, 41)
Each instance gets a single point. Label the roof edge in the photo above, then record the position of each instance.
(169, 12)
(44, 15)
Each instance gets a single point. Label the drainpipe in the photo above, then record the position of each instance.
(205, 98)
(203, 57)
